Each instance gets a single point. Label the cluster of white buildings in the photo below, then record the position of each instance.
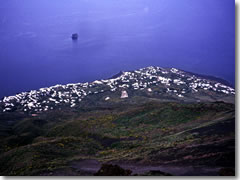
(70, 95)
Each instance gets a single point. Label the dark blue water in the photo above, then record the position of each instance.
(36, 49)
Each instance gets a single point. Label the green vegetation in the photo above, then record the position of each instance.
(151, 132)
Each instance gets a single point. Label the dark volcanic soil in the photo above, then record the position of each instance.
(89, 166)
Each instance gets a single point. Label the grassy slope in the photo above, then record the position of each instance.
(148, 133)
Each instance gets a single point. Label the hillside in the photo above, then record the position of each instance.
(151, 118)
